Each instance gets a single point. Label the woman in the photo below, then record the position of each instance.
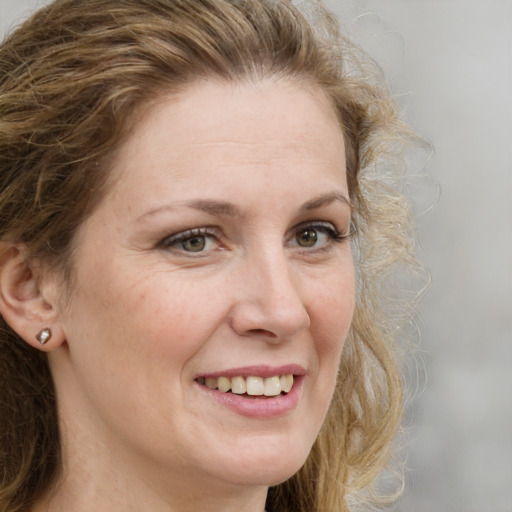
(193, 238)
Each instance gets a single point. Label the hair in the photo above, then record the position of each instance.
(72, 78)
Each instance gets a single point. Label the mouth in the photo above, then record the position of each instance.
(257, 392)
(250, 386)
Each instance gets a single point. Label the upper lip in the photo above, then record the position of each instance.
(256, 371)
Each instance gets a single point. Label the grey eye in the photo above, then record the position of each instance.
(194, 244)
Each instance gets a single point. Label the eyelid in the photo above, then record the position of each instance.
(206, 231)
(330, 236)
(321, 225)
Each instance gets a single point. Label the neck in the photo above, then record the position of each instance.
(123, 493)
(102, 476)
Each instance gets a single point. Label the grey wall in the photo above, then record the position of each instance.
(450, 63)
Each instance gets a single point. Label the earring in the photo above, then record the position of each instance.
(44, 335)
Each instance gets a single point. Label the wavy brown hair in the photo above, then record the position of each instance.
(72, 79)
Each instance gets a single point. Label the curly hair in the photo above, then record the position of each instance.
(72, 79)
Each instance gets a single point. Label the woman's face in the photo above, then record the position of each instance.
(219, 258)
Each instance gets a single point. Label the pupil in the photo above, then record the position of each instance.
(308, 238)
(195, 244)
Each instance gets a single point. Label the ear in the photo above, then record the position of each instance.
(28, 301)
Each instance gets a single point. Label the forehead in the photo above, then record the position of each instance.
(214, 127)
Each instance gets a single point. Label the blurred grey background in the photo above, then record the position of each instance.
(449, 63)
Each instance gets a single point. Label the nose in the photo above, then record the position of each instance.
(268, 299)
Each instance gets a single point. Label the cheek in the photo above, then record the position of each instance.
(165, 321)
(331, 319)
(129, 345)
(332, 310)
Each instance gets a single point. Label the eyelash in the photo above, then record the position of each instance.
(326, 228)
(323, 227)
(183, 236)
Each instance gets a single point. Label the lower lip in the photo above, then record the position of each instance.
(268, 407)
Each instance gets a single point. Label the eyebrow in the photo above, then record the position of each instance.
(324, 200)
(228, 209)
(210, 206)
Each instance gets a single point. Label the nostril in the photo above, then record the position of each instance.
(263, 332)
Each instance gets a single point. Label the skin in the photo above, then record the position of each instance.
(147, 316)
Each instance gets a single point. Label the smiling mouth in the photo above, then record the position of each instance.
(250, 386)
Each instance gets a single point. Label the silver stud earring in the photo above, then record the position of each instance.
(44, 335)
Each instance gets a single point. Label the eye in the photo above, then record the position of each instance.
(307, 237)
(316, 235)
(194, 244)
(191, 241)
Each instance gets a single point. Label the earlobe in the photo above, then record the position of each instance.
(23, 304)
(44, 335)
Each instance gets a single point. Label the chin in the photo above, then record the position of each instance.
(266, 476)
(269, 465)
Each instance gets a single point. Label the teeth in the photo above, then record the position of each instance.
(223, 384)
(272, 386)
(211, 382)
(254, 386)
(286, 382)
(238, 385)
